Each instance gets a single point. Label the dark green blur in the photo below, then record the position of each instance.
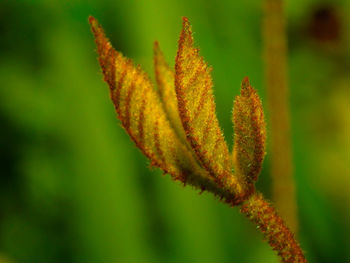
(74, 188)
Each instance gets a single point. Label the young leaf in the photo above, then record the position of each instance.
(196, 153)
(249, 133)
(193, 85)
(138, 107)
(165, 81)
(142, 115)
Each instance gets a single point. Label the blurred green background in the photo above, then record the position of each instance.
(74, 188)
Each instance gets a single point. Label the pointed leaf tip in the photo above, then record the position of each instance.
(95, 26)
(245, 82)
(91, 20)
(186, 38)
(156, 45)
(157, 52)
(245, 87)
(186, 26)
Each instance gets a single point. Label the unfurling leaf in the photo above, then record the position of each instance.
(193, 85)
(149, 119)
(177, 129)
(249, 133)
(138, 106)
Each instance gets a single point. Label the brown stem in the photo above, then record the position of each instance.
(278, 235)
(275, 48)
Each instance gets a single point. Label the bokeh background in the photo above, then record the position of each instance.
(74, 188)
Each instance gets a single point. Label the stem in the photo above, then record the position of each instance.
(275, 47)
(278, 235)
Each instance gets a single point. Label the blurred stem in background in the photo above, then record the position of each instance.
(275, 56)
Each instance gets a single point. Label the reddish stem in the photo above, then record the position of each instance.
(274, 229)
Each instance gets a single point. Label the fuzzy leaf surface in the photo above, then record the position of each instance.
(193, 84)
(249, 133)
(141, 111)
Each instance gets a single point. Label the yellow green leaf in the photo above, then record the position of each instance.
(142, 115)
(193, 85)
(249, 133)
(166, 86)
